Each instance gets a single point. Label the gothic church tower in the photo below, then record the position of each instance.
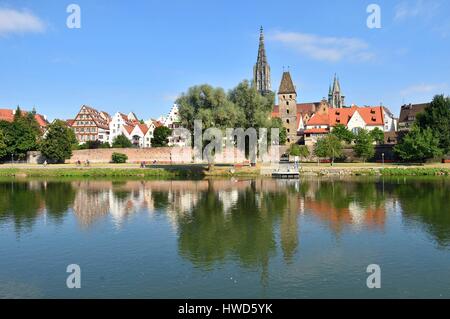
(261, 71)
(335, 97)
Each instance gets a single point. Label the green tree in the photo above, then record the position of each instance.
(3, 151)
(299, 150)
(437, 118)
(22, 135)
(58, 143)
(329, 146)
(119, 158)
(250, 102)
(121, 141)
(364, 147)
(343, 134)
(377, 135)
(161, 136)
(418, 145)
(90, 145)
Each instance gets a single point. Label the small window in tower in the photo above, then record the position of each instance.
(287, 102)
(288, 130)
(287, 111)
(290, 96)
(287, 121)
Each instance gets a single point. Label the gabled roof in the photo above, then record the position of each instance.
(286, 85)
(411, 110)
(372, 116)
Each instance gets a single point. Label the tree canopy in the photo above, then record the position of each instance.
(58, 142)
(21, 135)
(418, 145)
(121, 141)
(436, 117)
(364, 146)
(343, 134)
(241, 107)
(3, 151)
(329, 146)
(161, 136)
(377, 135)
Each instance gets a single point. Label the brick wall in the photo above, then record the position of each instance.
(135, 155)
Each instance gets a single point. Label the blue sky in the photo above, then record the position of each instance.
(139, 55)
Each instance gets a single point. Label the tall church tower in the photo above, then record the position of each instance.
(287, 104)
(261, 70)
(335, 97)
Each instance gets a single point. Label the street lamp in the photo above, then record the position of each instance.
(382, 158)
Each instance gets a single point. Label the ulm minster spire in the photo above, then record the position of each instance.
(261, 70)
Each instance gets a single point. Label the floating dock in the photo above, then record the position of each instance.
(286, 174)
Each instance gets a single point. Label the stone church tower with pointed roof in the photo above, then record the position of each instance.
(287, 101)
(261, 70)
(335, 97)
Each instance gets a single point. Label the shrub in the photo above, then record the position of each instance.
(119, 158)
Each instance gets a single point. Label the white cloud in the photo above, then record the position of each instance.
(332, 49)
(14, 21)
(424, 88)
(416, 9)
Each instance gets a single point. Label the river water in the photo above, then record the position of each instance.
(225, 238)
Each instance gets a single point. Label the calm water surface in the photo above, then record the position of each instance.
(225, 238)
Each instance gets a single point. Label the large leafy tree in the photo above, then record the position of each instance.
(121, 141)
(299, 150)
(22, 135)
(436, 117)
(255, 106)
(377, 135)
(58, 142)
(161, 136)
(242, 107)
(343, 134)
(418, 145)
(329, 146)
(3, 151)
(364, 147)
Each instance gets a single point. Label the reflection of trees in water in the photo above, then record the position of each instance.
(20, 203)
(425, 202)
(23, 202)
(208, 235)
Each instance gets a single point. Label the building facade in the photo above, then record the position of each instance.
(91, 125)
(408, 114)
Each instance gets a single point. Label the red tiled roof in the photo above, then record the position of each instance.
(370, 115)
(8, 115)
(317, 131)
(70, 122)
(143, 128)
(129, 128)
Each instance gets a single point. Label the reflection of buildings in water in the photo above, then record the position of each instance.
(90, 205)
(228, 199)
(354, 215)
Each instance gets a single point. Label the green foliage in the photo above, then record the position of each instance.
(58, 142)
(299, 150)
(160, 136)
(90, 145)
(364, 147)
(329, 146)
(377, 135)
(343, 134)
(242, 107)
(3, 151)
(119, 158)
(21, 135)
(121, 141)
(436, 117)
(418, 145)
